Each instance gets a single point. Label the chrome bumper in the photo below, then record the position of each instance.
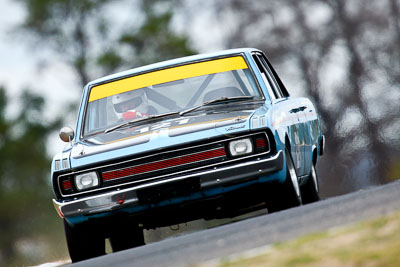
(222, 176)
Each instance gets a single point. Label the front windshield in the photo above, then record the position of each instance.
(164, 91)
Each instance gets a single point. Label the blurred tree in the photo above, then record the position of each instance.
(155, 40)
(24, 174)
(89, 36)
(67, 28)
(343, 54)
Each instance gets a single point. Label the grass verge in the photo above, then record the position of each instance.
(371, 243)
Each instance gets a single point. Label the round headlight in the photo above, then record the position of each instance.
(241, 147)
(86, 180)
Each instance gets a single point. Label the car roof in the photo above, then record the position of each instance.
(171, 62)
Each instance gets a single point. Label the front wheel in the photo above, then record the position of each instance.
(310, 190)
(84, 241)
(288, 194)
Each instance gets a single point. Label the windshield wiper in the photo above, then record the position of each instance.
(139, 121)
(217, 100)
(151, 117)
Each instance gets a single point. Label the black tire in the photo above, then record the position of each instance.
(287, 194)
(126, 236)
(84, 242)
(310, 190)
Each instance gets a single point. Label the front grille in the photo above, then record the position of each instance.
(164, 164)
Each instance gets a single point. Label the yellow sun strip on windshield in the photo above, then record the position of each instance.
(167, 75)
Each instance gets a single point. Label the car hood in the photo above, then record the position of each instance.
(159, 135)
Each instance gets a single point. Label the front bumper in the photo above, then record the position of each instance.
(220, 177)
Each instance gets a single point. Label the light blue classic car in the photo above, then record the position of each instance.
(206, 136)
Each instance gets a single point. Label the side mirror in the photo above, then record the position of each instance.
(67, 134)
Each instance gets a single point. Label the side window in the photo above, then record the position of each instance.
(280, 86)
(271, 92)
(270, 76)
(273, 83)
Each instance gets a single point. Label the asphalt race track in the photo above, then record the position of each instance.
(256, 232)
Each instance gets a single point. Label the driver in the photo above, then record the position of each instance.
(130, 105)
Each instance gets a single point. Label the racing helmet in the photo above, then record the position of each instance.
(131, 104)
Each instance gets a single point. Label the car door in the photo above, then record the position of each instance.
(302, 139)
(293, 107)
(310, 131)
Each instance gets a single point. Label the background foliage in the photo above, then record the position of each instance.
(24, 187)
(343, 54)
